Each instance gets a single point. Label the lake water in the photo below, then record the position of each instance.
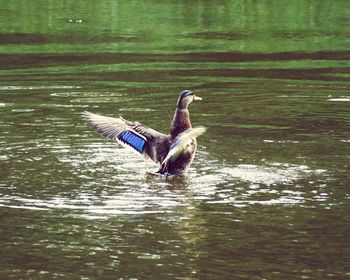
(267, 196)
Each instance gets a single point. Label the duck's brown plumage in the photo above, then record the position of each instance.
(181, 143)
(180, 123)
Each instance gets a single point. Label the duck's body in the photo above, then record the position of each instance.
(173, 152)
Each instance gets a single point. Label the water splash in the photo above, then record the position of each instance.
(114, 182)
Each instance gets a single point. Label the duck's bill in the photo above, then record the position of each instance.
(195, 97)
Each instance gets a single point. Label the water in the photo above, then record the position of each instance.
(267, 196)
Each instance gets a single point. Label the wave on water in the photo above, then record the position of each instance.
(126, 189)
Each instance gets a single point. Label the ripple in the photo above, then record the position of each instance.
(107, 180)
(340, 99)
(137, 109)
(7, 88)
(146, 200)
(245, 184)
(63, 105)
(268, 175)
(23, 110)
(80, 94)
(281, 141)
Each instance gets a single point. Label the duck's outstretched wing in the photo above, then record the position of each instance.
(139, 137)
(181, 143)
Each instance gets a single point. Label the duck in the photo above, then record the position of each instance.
(173, 152)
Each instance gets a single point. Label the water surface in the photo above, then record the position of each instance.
(268, 194)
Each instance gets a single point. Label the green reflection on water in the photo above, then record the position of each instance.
(173, 26)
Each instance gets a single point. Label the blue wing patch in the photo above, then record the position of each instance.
(133, 139)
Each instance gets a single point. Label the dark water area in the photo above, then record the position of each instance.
(267, 196)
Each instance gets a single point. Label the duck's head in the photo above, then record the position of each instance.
(185, 98)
